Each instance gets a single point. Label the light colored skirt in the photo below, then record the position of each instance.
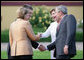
(52, 52)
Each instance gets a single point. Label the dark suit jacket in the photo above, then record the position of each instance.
(65, 36)
(34, 45)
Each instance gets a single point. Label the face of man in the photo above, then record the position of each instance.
(53, 15)
(29, 14)
(58, 15)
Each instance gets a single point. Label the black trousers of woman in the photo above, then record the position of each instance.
(21, 57)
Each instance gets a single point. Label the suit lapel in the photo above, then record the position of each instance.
(61, 24)
(62, 21)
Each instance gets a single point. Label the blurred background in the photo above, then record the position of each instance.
(41, 17)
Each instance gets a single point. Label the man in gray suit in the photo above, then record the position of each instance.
(65, 37)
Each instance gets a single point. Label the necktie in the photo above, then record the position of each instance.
(57, 30)
(58, 27)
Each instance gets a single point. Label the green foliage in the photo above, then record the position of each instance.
(79, 55)
(41, 17)
(79, 36)
(5, 35)
(4, 55)
(45, 39)
(43, 55)
(80, 24)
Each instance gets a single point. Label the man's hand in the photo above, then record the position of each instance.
(41, 48)
(66, 49)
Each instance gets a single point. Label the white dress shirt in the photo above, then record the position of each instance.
(51, 31)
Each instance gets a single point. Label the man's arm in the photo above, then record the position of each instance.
(51, 46)
(43, 48)
(71, 28)
(30, 33)
(34, 44)
(37, 45)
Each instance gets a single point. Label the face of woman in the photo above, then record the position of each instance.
(53, 15)
(28, 15)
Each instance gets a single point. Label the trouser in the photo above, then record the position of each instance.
(62, 57)
(8, 51)
(21, 57)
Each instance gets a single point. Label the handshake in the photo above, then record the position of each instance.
(42, 48)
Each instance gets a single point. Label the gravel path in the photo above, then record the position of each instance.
(79, 45)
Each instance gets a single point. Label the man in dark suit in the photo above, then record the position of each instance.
(65, 37)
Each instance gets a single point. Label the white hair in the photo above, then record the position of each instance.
(61, 8)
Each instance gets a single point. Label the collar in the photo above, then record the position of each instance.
(63, 17)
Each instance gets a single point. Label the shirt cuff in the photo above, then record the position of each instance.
(38, 46)
(41, 35)
(46, 48)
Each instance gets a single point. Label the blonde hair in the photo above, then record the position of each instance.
(21, 12)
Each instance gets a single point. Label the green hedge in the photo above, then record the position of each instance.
(5, 37)
(79, 36)
(80, 24)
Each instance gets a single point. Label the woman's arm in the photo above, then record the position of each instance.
(30, 32)
(46, 33)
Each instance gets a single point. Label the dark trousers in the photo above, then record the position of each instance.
(62, 57)
(21, 57)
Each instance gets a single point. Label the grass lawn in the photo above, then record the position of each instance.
(43, 55)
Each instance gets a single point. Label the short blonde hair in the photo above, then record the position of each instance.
(21, 12)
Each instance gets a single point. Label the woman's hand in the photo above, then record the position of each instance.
(40, 34)
(38, 37)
